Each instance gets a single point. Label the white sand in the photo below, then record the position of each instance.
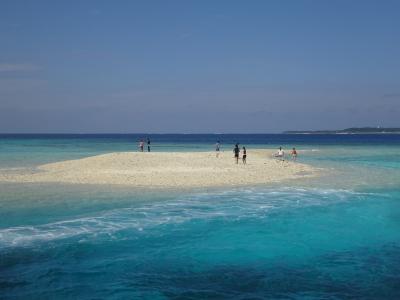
(172, 169)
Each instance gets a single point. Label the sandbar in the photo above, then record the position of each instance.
(166, 169)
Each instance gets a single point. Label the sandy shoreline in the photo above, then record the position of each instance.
(166, 169)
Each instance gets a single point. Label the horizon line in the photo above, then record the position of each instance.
(124, 133)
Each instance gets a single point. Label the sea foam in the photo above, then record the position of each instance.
(232, 204)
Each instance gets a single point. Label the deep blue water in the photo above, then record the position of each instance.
(334, 237)
(274, 139)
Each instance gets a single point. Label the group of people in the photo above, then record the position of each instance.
(281, 154)
(236, 151)
(141, 145)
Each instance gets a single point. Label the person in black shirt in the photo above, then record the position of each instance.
(236, 151)
(148, 145)
(244, 155)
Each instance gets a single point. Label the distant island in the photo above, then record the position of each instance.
(355, 130)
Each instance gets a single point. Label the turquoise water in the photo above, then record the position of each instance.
(333, 237)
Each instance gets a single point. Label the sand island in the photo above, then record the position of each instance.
(166, 169)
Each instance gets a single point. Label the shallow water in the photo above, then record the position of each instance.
(334, 237)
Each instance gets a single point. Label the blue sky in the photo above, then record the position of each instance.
(198, 66)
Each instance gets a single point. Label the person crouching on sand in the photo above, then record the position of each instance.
(294, 154)
(280, 154)
(236, 151)
(244, 155)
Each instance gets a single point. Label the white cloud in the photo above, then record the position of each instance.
(6, 67)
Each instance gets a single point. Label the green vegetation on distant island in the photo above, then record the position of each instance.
(355, 130)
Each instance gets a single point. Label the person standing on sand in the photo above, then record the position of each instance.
(244, 155)
(294, 154)
(148, 145)
(236, 151)
(141, 145)
(217, 148)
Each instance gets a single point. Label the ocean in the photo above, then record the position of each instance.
(332, 237)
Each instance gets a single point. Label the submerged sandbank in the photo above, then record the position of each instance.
(166, 169)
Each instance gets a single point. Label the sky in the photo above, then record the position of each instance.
(198, 66)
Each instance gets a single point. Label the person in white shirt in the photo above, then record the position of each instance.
(141, 145)
(280, 154)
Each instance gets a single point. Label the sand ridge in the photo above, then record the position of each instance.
(167, 169)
